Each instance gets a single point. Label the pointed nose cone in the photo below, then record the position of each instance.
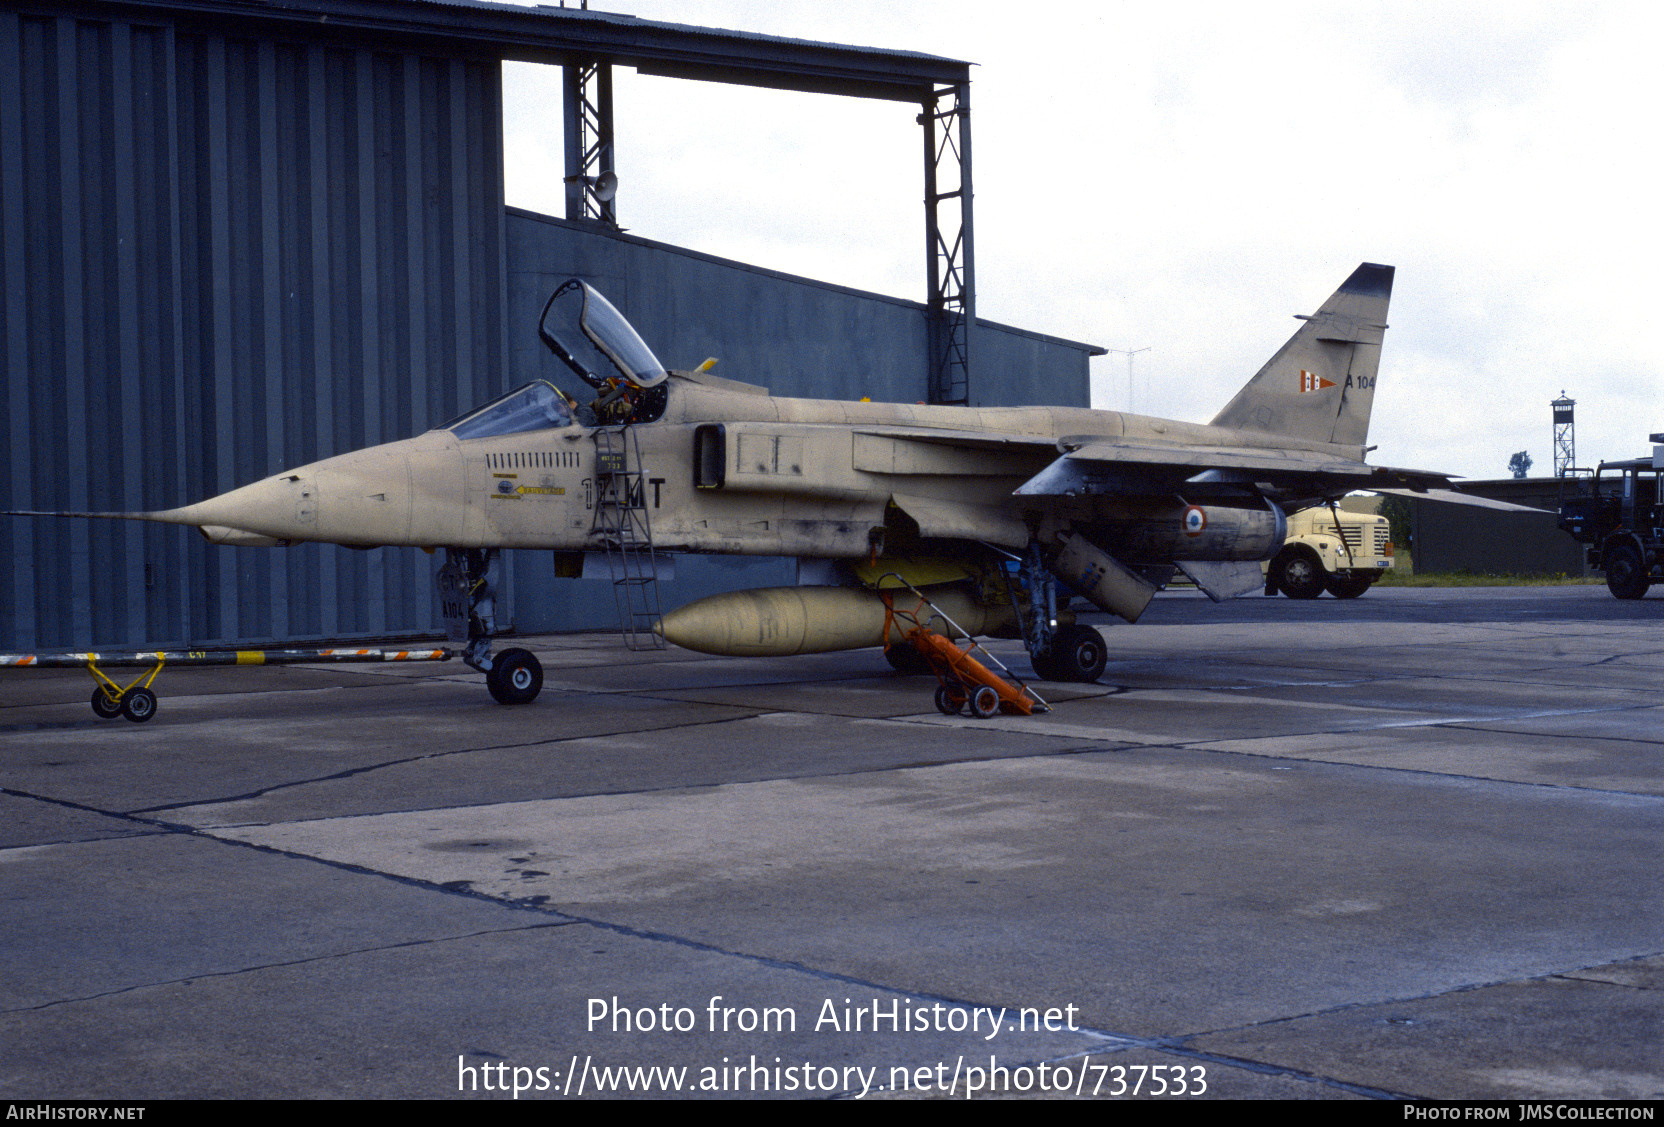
(263, 514)
(363, 499)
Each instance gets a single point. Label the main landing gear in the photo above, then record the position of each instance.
(467, 596)
(1059, 653)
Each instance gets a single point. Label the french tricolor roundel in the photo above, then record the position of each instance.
(1311, 381)
(1194, 521)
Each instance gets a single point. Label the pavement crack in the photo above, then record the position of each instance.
(1580, 737)
(1410, 999)
(282, 963)
(1454, 776)
(368, 768)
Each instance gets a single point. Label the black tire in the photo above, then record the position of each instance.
(1299, 573)
(1626, 578)
(906, 660)
(949, 701)
(1078, 654)
(138, 705)
(106, 708)
(1350, 584)
(516, 677)
(1044, 667)
(985, 702)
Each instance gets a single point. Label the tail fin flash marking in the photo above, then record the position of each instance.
(1320, 385)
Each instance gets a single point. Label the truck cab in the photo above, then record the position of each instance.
(1619, 515)
(1330, 549)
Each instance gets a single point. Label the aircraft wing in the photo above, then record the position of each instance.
(1115, 466)
(1102, 466)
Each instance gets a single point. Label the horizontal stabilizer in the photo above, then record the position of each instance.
(1451, 497)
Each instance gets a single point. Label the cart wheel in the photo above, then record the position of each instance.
(138, 705)
(516, 677)
(106, 708)
(949, 701)
(985, 702)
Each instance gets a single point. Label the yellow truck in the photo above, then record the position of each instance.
(1330, 550)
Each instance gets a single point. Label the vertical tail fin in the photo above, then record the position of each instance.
(1321, 384)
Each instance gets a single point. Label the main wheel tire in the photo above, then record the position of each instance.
(516, 677)
(1349, 584)
(138, 705)
(906, 660)
(949, 701)
(106, 708)
(1299, 573)
(985, 702)
(1078, 654)
(1045, 668)
(1626, 578)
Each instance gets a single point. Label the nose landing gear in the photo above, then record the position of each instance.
(467, 597)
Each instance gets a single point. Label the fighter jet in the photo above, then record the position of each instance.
(1001, 514)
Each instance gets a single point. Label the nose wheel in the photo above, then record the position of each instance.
(515, 677)
(467, 596)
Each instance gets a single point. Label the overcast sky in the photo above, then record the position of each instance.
(1183, 178)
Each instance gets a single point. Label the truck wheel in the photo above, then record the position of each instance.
(1350, 584)
(1298, 573)
(1625, 577)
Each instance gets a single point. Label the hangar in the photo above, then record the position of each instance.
(238, 236)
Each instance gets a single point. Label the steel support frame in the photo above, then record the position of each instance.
(950, 246)
(1565, 437)
(587, 109)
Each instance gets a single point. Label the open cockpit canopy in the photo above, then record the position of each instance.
(601, 326)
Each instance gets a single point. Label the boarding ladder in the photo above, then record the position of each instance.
(621, 524)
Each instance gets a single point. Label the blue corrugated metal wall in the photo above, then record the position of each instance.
(224, 256)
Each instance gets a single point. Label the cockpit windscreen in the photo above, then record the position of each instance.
(534, 406)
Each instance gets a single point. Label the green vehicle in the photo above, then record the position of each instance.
(1617, 513)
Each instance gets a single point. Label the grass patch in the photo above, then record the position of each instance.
(1397, 578)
